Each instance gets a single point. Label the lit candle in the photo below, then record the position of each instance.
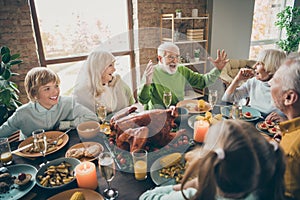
(86, 175)
(200, 129)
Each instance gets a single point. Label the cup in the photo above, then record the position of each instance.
(200, 129)
(139, 158)
(6, 155)
(88, 130)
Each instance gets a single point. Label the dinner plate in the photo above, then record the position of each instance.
(191, 105)
(50, 135)
(88, 194)
(156, 178)
(16, 191)
(263, 131)
(86, 145)
(225, 111)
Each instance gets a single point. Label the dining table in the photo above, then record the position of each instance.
(124, 181)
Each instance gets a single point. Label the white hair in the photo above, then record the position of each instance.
(167, 46)
(289, 73)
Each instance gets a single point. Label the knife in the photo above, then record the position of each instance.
(22, 148)
(113, 155)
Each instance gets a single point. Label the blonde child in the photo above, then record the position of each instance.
(46, 109)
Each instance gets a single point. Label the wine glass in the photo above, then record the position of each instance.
(167, 98)
(102, 113)
(212, 98)
(108, 171)
(40, 143)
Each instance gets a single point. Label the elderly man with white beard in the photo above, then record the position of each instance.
(169, 75)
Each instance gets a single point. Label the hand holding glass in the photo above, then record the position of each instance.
(167, 98)
(108, 170)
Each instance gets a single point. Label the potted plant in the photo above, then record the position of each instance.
(197, 55)
(178, 13)
(8, 90)
(288, 20)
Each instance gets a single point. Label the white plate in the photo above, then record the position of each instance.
(86, 145)
(154, 173)
(19, 191)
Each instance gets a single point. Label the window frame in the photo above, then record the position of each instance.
(44, 62)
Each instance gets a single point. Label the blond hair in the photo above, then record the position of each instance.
(37, 77)
(272, 59)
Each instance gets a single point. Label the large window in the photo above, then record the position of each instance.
(67, 31)
(264, 32)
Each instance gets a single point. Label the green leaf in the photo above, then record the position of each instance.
(15, 62)
(5, 49)
(5, 58)
(6, 74)
(15, 56)
(5, 97)
(14, 86)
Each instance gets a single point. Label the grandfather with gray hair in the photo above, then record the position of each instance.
(169, 75)
(285, 90)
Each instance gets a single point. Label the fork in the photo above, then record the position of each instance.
(56, 140)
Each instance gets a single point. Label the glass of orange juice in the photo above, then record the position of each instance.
(6, 155)
(139, 158)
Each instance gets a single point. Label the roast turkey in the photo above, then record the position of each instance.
(152, 127)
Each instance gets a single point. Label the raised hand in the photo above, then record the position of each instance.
(149, 72)
(245, 74)
(221, 59)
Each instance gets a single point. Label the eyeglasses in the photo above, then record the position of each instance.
(170, 57)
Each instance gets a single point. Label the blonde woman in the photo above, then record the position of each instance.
(256, 86)
(96, 84)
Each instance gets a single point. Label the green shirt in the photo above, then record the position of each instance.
(151, 95)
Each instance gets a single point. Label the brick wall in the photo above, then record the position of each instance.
(16, 32)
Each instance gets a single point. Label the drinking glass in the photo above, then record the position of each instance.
(167, 98)
(40, 142)
(212, 98)
(102, 113)
(108, 170)
(5, 151)
(139, 157)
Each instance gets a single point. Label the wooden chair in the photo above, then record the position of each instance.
(14, 137)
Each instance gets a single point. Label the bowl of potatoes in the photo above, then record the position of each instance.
(57, 174)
